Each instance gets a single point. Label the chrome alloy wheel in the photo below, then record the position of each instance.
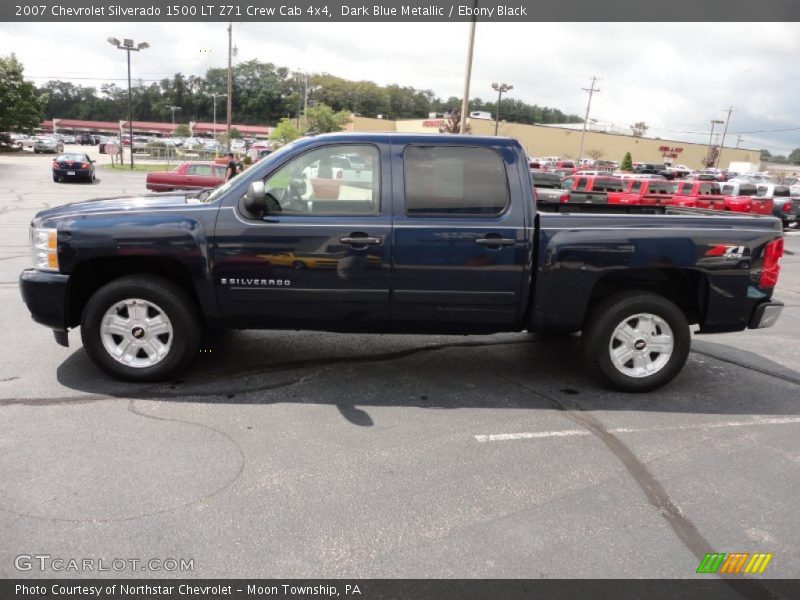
(641, 345)
(136, 333)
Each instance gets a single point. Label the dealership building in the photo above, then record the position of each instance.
(548, 140)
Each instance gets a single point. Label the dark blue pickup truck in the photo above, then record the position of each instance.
(396, 233)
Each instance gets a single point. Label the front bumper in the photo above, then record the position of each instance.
(45, 294)
(766, 314)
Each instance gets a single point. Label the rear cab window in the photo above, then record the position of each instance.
(454, 180)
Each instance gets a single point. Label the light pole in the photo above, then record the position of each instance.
(500, 89)
(711, 137)
(129, 47)
(173, 109)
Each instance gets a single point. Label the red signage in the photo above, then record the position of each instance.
(433, 123)
(676, 151)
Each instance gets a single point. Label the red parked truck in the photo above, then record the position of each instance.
(187, 176)
(593, 189)
(647, 192)
(698, 194)
(743, 197)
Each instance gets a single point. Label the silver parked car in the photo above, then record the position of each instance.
(48, 144)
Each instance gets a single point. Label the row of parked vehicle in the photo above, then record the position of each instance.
(738, 195)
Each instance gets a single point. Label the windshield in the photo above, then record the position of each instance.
(218, 192)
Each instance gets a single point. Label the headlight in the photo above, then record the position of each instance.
(44, 248)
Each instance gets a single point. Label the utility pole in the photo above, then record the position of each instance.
(591, 91)
(724, 132)
(305, 100)
(230, 82)
(468, 74)
(738, 141)
(215, 96)
(173, 109)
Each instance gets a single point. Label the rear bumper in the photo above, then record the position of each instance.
(765, 314)
(72, 172)
(45, 295)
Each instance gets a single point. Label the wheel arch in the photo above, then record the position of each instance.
(686, 288)
(92, 274)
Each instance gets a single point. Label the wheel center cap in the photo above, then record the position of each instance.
(137, 332)
(640, 344)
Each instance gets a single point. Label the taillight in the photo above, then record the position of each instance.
(786, 207)
(770, 268)
(84, 165)
(563, 198)
(55, 165)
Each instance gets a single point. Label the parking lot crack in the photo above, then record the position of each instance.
(656, 494)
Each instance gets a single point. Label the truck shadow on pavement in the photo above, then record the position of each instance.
(354, 372)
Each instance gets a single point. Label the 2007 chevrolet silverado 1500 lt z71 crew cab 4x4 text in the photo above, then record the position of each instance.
(437, 234)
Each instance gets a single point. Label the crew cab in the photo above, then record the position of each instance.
(591, 189)
(743, 197)
(698, 194)
(446, 238)
(187, 176)
(647, 192)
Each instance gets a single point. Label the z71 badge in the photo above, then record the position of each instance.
(253, 282)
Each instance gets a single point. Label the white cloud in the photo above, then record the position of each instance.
(675, 76)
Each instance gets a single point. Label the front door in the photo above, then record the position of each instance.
(320, 259)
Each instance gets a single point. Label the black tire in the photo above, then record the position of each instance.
(56, 179)
(598, 337)
(172, 300)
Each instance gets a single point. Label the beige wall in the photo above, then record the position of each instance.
(539, 140)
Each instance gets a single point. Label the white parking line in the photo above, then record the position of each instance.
(505, 437)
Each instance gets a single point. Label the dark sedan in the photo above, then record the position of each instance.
(73, 166)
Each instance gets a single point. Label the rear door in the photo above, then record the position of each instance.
(460, 244)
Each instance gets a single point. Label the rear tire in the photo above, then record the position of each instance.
(636, 341)
(141, 328)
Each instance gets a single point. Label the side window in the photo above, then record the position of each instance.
(636, 186)
(219, 171)
(448, 180)
(582, 182)
(566, 183)
(200, 170)
(324, 182)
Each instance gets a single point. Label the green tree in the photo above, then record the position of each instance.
(765, 154)
(20, 107)
(322, 119)
(182, 130)
(285, 132)
(627, 163)
(794, 156)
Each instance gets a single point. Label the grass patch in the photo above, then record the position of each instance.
(141, 167)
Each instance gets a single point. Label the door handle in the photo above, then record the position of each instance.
(495, 241)
(361, 240)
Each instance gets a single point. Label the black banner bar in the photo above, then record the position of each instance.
(712, 588)
(712, 11)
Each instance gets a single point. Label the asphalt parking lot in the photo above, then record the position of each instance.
(301, 454)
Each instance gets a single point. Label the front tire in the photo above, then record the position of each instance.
(141, 328)
(636, 341)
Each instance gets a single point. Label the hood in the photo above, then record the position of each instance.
(120, 204)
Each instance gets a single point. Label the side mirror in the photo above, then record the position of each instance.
(255, 200)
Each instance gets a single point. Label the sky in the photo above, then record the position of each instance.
(676, 77)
